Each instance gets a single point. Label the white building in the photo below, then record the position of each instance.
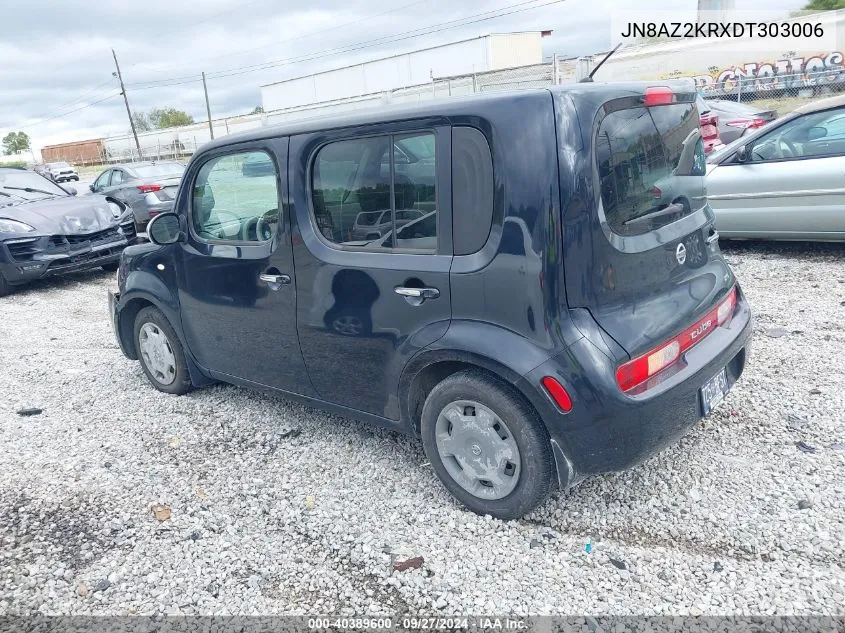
(488, 52)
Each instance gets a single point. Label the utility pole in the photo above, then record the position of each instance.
(207, 107)
(126, 101)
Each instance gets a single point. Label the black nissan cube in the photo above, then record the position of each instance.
(539, 296)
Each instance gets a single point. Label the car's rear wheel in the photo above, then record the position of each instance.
(160, 352)
(487, 445)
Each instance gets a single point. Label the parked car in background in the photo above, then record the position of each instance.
(523, 360)
(735, 119)
(709, 125)
(785, 180)
(371, 225)
(258, 165)
(59, 172)
(47, 230)
(148, 188)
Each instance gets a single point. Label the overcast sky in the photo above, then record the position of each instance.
(56, 56)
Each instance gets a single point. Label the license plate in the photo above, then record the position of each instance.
(714, 391)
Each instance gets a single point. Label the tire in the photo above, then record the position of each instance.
(111, 267)
(535, 468)
(4, 286)
(157, 322)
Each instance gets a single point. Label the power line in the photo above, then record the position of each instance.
(388, 39)
(378, 42)
(59, 116)
(304, 35)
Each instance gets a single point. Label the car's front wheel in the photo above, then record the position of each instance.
(487, 445)
(160, 352)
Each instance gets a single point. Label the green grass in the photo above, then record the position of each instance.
(14, 163)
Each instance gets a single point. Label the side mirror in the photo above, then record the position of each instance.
(92, 188)
(71, 190)
(742, 154)
(165, 229)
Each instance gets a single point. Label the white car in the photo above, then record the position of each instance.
(60, 172)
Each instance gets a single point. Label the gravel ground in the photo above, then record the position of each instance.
(279, 508)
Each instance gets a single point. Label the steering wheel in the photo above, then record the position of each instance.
(786, 149)
(257, 230)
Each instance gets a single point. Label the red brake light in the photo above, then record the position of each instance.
(658, 95)
(656, 192)
(640, 369)
(148, 188)
(558, 393)
(746, 123)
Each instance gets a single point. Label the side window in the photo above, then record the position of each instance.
(116, 177)
(351, 185)
(103, 180)
(817, 134)
(235, 203)
(472, 190)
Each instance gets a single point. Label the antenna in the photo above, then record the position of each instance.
(589, 78)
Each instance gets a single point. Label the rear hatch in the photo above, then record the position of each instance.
(640, 251)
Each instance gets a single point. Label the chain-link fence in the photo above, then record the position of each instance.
(779, 93)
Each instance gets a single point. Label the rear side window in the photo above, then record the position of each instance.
(651, 166)
(351, 190)
(472, 190)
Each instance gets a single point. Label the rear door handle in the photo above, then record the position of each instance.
(274, 281)
(417, 293)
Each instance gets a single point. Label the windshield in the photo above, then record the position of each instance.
(159, 171)
(15, 182)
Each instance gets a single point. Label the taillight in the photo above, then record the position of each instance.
(655, 191)
(746, 123)
(149, 188)
(658, 95)
(558, 393)
(640, 369)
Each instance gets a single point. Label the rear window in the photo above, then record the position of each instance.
(161, 171)
(651, 166)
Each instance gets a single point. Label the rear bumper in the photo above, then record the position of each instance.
(607, 430)
(149, 207)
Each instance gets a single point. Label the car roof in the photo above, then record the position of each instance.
(822, 104)
(434, 108)
(146, 163)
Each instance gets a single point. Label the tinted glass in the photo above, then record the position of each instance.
(102, 180)
(472, 190)
(415, 192)
(651, 166)
(228, 205)
(168, 169)
(351, 187)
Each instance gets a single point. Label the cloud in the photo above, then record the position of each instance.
(57, 56)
